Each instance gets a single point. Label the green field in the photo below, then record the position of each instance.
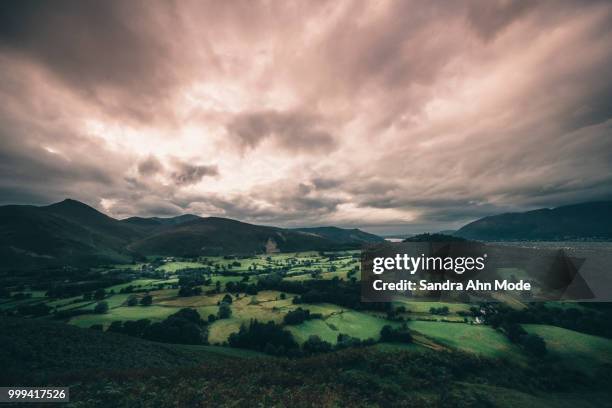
(124, 313)
(470, 338)
(576, 349)
(429, 330)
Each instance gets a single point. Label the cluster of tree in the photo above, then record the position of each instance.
(442, 311)
(242, 287)
(401, 334)
(272, 338)
(97, 295)
(183, 327)
(187, 291)
(299, 316)
(395, 314)
(591, 318)
(34, 310)
(19, 295)
(347, 294)
(267, 337)
(315, 344)
(136, 289)
(190, 281)
(71, 289)
(531, 342)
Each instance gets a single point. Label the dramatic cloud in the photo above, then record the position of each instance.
(394, 116)
(187, 173)
(150, 166)
(291, 131)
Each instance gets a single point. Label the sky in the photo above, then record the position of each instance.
(390, 116)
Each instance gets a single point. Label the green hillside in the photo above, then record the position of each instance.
(75, 234)
(580, 221)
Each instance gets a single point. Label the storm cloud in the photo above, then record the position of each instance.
(393, 116)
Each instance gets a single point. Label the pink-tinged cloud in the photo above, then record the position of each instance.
(396, 116)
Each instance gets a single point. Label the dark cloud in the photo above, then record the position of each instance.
(490, 17)
(397, 116)
(112, 52)
(293, 131)
(150, 166)
(186, 173)
(323, 183)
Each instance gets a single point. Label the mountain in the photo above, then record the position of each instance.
(217, 236)
(157, 224)
(592, 220)
(157, 221)
(68, 232)
(342, 235)
(73, 233)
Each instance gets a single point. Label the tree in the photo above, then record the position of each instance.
(101, 307)
(296, 316)
(227, 299)
(146, 301)
(132, 301)
(399, 335)
(183, 327)
(314, 344)
(115, 327)
(514, 332)
(136, 328)
(225, 311)
(534, 344)
(268, 337)
(99, 294)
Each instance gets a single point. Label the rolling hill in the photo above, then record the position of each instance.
(65, 233)
(73, 233)
(342, 235)
(218, 236)
(591, 220)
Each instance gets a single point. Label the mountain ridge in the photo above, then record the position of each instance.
(588, 220)
(71, 233)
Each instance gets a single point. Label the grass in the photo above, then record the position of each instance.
(124, 313)
(476, 339)
(355, 324)
(414, 306)
(317, 327)
(219, 331)
(582, 351)
(175, 266)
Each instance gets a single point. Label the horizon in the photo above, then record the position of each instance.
(389, 116)
(404, 233)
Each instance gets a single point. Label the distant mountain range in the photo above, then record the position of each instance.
(586, 221)
(73, 233)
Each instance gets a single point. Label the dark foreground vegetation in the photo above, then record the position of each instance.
(115, 370)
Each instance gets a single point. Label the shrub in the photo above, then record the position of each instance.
(314, 344)
(101, 308)
(296, 316)
(391, 335)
